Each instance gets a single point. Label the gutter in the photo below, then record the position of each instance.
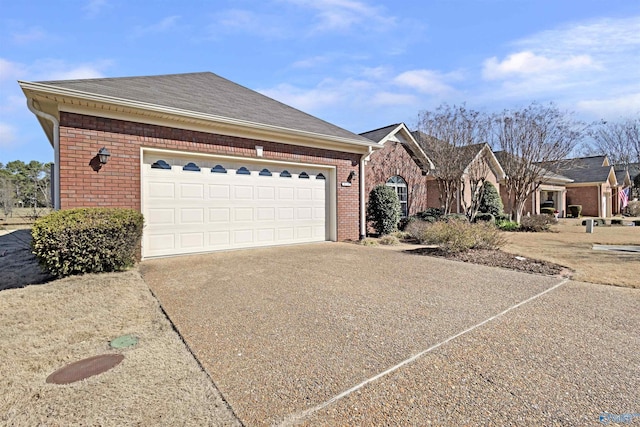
(56, 150)
(361, 184)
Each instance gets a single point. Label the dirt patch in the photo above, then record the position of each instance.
(496, 258)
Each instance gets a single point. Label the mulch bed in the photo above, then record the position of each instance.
(497, 258)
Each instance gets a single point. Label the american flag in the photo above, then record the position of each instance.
(623, 194)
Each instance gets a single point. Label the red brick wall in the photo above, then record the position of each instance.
(117, 184)
(588, 197)
(394, 160)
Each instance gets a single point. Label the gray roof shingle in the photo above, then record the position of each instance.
(210, 94)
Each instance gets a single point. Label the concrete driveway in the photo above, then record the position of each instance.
(339, 334)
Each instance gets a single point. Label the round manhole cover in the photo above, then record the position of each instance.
(124, 341)
(84, 368)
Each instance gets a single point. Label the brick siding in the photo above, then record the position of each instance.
(117, 184)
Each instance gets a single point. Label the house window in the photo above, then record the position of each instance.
(400, 187)
(218, 169)
(303, 175)
(265, 172)
(243, 171)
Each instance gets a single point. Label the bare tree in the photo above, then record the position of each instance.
(620, 141)
(7, 194)
(528, 137)
(443, 135)
(475, 175)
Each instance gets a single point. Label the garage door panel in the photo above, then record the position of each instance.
(199, 211)
(219, 191)
(219, 214)
(191, 191)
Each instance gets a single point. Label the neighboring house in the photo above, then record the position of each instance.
(633, 169)
(551, 191)
(594, 186)
(211, 164)
(400, 164)
(480, 164)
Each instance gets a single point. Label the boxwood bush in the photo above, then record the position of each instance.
(458, 235)
(547, 211)
(87, 240)
(537, 223)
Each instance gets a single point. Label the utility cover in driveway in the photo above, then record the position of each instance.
(195, 205)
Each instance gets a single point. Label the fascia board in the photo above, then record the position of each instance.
(75, 98)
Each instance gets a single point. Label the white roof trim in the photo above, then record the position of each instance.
(40, 88)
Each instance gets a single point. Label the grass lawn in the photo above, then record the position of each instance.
(47, 327)
(571, 246)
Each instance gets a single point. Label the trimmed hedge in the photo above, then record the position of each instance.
(574, 210)
(536, 223)
(547, 211)
(87, 240)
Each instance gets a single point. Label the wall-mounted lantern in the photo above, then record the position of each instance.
(103, 155)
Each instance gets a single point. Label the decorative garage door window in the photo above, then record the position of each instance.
(303, 175)
(320, 176)
(243, 171)
(160, 164)
(218, 169)
(191, 167)
(265, 172)
(400, 187)
(285, 174)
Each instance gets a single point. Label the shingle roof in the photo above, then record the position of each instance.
(206, 93)
(377, 134)
(584, 175)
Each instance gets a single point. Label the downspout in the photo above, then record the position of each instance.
(361, 184)
(56, 150)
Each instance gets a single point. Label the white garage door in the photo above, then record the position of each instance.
(199, 205)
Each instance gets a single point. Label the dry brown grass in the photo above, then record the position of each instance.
(571, 246)
(48, 326)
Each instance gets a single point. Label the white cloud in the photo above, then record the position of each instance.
(429, 82)
(304, 99)
(612, 108)
(590, 66)
(7, 135)
(246, 21)
(166, 24)
(341, 15)
(527, 63)
(79, 72)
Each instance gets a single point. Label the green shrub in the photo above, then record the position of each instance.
(508, 225)
(87, 240)
(486, 217)
(574, 211)
(616, 222)
(547, 211)
(430, 214)
(536, 223)
(491, 201)
(634, 207)
(389, 240)
(456, 235)
(636, 222)
(383, 209)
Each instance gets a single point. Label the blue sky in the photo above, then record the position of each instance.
(361, 64)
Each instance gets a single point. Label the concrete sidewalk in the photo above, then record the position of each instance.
(286, 333)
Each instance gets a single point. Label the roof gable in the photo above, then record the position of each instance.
(401, 134)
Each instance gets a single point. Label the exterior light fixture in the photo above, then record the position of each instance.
(103, 155)
(352, 175)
